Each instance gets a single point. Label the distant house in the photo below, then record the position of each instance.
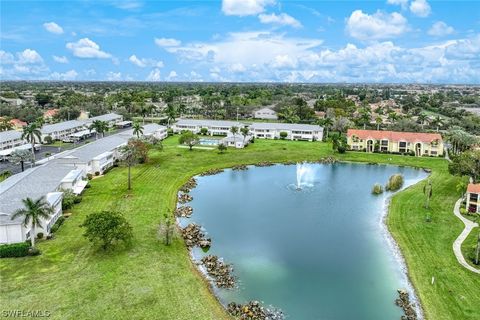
(238, 141)
(12, 101)
(214, 127)
(10, 139)
(111, 118)
(473, 197)
(294, 131)
(265, 113)
(49, 114)
(18, 124)
(418, 143)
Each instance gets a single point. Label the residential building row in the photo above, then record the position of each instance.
(416, 143)
(64, 171)
(265, 130)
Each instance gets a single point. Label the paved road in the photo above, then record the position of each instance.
(457, 244)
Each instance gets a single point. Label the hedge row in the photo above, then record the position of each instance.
(14, 250)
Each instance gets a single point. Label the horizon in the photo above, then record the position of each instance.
(258, 41)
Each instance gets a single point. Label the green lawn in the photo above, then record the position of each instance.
(469, 246)
(149, 280)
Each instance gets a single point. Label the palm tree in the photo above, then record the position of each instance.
(171, 113)
(327, 124)
(99, 126)
(30, 133)
(137, 129)
(33, 212)
(378, 121)
(392, 116)
(289, 115)
(437, 122)
(130, 154)
(234, 131)
(245, 131)
(422, 117)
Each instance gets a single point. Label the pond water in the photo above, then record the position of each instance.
(317, 253)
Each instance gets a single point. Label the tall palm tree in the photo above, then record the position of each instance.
(171, 113)
(327, 124)
(137, 129)
(32, 213)
(422, 117)
(437, 122)
(378, 121)
(234, 131)
(31, 133)
(245, 131)
(392, 116)
(100, 127)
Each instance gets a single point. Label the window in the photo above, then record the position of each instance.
(402, 144)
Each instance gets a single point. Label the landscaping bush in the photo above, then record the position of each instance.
(40, 235)
(97, 173)
(341, 149)
(283, 135)
(48, 140)
(377, 189)
(89, 176)
(463, 211)
(57, 224)
(77, 199)
(14, 250)
(394, 183)
(68, 199)
(88, 186)
(33, 252)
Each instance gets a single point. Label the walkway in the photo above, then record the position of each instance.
(457, 244)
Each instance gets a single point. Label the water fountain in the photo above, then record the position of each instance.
(305, 175)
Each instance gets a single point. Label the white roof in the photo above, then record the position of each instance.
(285, 126)
(209, 123)
(10, 135)
(61, 126)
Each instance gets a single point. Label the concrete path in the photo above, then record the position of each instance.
(457, 244)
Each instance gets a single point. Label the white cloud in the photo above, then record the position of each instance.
(52, 27)
(29, 56)
(154, 75)
(284, 61)
(420, 8)
(61, 59)
(143, 62)
(167, 42)
(86, 48)
(402, 3)
(440, 29)
(377, 26)
(237, 68)
(281, 19)
(171, 76)
(90, 72)
(128, 4)
(6, 57)
(194, 76)
(114, 76)
(69, 75)
(245, 7)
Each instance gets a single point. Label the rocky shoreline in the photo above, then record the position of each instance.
(211, 172)
(408, 308)
(184, 212)
(184, 198)
(189, 185)
(219, 271)
(240, 167)
(193, 236)
(253, 310)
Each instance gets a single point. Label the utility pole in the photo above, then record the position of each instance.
(237, 113)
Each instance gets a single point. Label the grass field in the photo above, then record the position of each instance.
(148, 280)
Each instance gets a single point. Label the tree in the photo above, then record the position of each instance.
(466, 164)
(283, 135)
(134, 152)
(428, 191)
(289, 115)
(32, 213)
(171, 113)
(392, 116)
(222, 147)
(341, 124)
(30, 133)
(437, 122)
(5, 124)
(327, 124)
(188, 138)
(99, 126)
(107, 228)
(378, 121)
(137, 129)
(168, 230)
(20, 156)
(234, 131)
(204, 131)
(422, 117)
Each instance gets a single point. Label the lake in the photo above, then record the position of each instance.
(317, 253)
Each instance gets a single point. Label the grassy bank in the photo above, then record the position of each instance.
(149, 280)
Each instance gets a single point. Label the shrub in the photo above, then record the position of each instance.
(341, 149)
(48, 140)
(14, 250)
(377, 189)
(88, 186)
(394, 183)
(77, 199)
(48, 154)
(463, 211)
(97, 173)
(89, 176)
(68, 199)
(283, 135)
(57, 224)
(107, 228)
(40, 235)
(204, 131)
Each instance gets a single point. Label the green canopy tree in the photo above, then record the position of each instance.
(99, 126)
(189, 138)
(137, 129)
(20, 156)
(107, 228)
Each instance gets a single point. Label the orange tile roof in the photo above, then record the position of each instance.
(50, 112)
(395, 135)
(17, 122)
(473, 188)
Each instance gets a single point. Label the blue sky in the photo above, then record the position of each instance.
(242, 40)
